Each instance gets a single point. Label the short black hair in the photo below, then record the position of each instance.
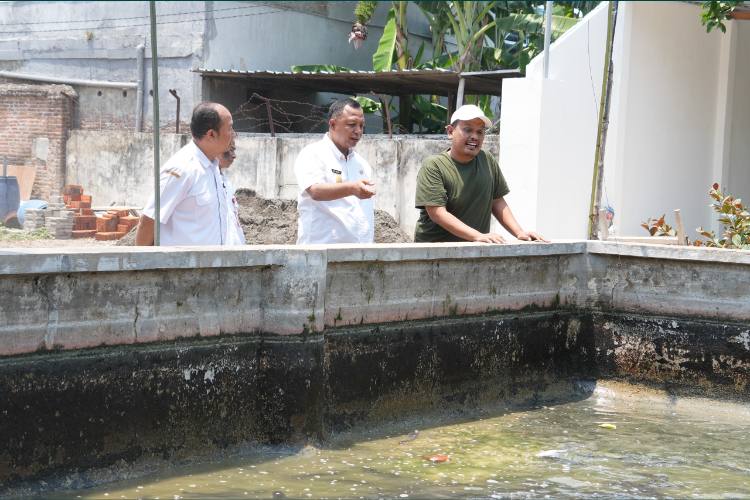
(205, 117)
(338, 106)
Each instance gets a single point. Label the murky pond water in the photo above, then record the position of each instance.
(621, 441)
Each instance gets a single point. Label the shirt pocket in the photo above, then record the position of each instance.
(201, 194)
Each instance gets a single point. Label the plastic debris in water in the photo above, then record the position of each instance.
(550, 453)
(608, 426)
(437, 459)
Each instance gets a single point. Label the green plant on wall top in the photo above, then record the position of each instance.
(658, 227)
(734, 218)
(714, 13)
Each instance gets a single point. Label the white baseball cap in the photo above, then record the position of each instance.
(470, 112)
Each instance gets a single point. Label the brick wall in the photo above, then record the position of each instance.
(37, 114)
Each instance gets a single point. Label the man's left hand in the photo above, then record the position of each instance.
(530, 236)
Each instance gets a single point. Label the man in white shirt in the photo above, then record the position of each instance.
(335, 189)
(193, 203)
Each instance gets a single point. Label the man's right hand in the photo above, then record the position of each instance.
(489, 238)
(363, 189)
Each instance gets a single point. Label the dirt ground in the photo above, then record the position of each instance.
(52, 243)
(274, 221)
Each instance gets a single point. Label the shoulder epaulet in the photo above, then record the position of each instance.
(174, 171)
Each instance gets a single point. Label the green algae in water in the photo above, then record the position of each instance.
(661, 447)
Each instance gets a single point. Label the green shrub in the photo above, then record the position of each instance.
(735, 221)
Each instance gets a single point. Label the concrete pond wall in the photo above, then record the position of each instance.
(117, 167)
(130, 353)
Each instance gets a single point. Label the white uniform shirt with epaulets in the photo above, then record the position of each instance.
(346, 220)
(193, 203)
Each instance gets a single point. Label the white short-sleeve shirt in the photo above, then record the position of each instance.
(193, 202)
(346, 220)
(235, 235)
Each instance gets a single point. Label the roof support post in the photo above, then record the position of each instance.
(547, 35)
(460, 94)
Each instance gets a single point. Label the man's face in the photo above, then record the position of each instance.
(228, 156)
(466, 139)
(226, 130)
(346, 129)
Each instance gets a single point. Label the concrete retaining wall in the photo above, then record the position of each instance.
(116, 296)
(131, 353)
(117, 167)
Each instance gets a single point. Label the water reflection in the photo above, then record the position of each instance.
(657, 446)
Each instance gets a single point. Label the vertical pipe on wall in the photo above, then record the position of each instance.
(155, 123)
(139, 56)
(547, 36)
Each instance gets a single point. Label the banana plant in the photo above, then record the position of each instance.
(519, 37)
(470, 21)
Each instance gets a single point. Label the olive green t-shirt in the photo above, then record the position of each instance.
(466, 190)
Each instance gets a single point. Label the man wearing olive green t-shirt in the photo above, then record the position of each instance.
(459, 189)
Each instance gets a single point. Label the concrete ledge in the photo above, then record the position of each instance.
(668, 252)
(116, 259)
(83, 298)
(445, 251)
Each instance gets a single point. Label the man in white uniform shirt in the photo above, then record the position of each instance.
(335, 189)
(193, 207)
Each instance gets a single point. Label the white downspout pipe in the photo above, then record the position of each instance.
(68, 81)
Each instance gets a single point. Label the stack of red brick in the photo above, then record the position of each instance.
(84, 220)
(114, 225)
(111, 226)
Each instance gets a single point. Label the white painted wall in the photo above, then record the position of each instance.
(738, 174)
(679, 120)
(667, 108)
(548, 132)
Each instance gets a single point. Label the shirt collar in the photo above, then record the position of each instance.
(202, 158)
(336, 151)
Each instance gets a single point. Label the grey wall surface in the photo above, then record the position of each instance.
(91, 40)
(81, 40)
(115, 167)
(118, 166)
(132, 295)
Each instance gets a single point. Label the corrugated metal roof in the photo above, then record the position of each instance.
(416, 81)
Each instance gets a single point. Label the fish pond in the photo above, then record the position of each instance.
(618, 441)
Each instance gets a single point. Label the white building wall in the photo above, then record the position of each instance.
(548, 132)
(738, 171)
(679, 120)
(667, 131)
